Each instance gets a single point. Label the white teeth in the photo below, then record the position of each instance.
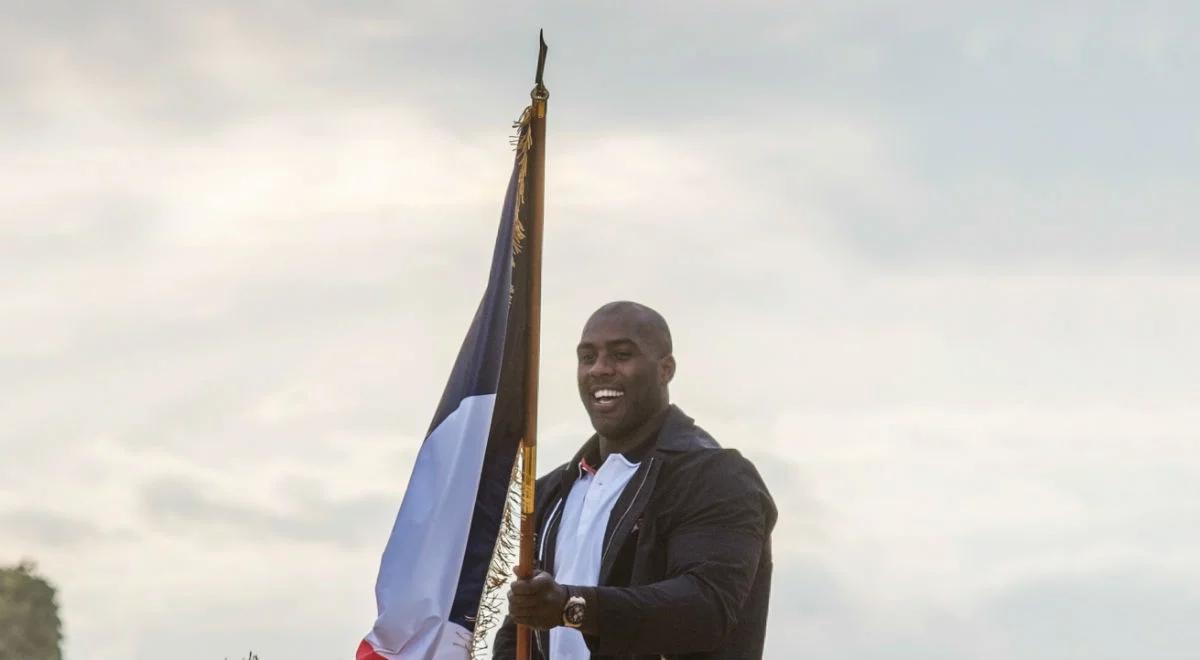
(607, 394)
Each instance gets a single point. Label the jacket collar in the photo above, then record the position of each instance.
(678, 433)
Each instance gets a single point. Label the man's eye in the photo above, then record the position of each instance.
(623, 355)
(587, 358)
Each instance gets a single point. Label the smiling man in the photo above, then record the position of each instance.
(653, 540)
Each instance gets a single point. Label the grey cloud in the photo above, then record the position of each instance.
(813, 615)
(142, 60)
(679, 60)
(1135, 613)
(48, 527)
(809, 590)
(72, 230)
(1010, 140)
(187, 507)
(1008, 224)
(167, 380)
(1112, 615)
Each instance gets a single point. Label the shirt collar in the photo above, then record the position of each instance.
(589, 455)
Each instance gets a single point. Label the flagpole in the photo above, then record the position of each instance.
(536, 177)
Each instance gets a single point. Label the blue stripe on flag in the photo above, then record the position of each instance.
(477, 368)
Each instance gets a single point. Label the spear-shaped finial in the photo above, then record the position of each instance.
(542, 48)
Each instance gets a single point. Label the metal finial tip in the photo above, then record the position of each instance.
(541, 64)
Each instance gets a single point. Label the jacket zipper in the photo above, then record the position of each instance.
(624, 513)
(537, 634)
(546, 531)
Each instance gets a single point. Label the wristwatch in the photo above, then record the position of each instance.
(574, 611)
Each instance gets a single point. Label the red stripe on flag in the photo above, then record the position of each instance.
(367, 652)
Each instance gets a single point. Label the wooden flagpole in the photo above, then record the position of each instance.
(536, 178)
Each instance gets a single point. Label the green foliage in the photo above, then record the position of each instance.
(29, 625)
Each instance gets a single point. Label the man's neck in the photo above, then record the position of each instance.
(634, 438)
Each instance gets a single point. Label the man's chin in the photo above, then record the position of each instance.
(603, 424)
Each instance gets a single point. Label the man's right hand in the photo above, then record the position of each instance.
(537, 602)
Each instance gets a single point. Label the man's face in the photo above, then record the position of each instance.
(622, 378)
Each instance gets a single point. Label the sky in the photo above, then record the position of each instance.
(934, 267)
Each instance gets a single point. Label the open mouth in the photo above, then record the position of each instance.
(606, 398)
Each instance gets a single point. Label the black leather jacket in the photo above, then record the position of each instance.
(686, 568)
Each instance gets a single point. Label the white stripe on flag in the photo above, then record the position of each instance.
(418, 575)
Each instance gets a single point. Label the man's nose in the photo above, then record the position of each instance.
(600, 367)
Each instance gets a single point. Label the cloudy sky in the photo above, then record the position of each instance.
(935, 267)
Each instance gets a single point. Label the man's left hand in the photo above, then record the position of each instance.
(537, 602)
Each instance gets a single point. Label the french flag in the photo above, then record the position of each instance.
(432, 574)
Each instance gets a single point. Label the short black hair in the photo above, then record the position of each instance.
(651, 324)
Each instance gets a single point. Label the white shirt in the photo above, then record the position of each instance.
(580, 537)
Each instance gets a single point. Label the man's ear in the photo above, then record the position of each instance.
(666, 369)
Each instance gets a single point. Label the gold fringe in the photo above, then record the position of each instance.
(523, 143)
(493, 603)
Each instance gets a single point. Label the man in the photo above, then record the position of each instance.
(653, 540)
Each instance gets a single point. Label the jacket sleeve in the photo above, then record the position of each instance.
(505, 645)
(712, 556)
